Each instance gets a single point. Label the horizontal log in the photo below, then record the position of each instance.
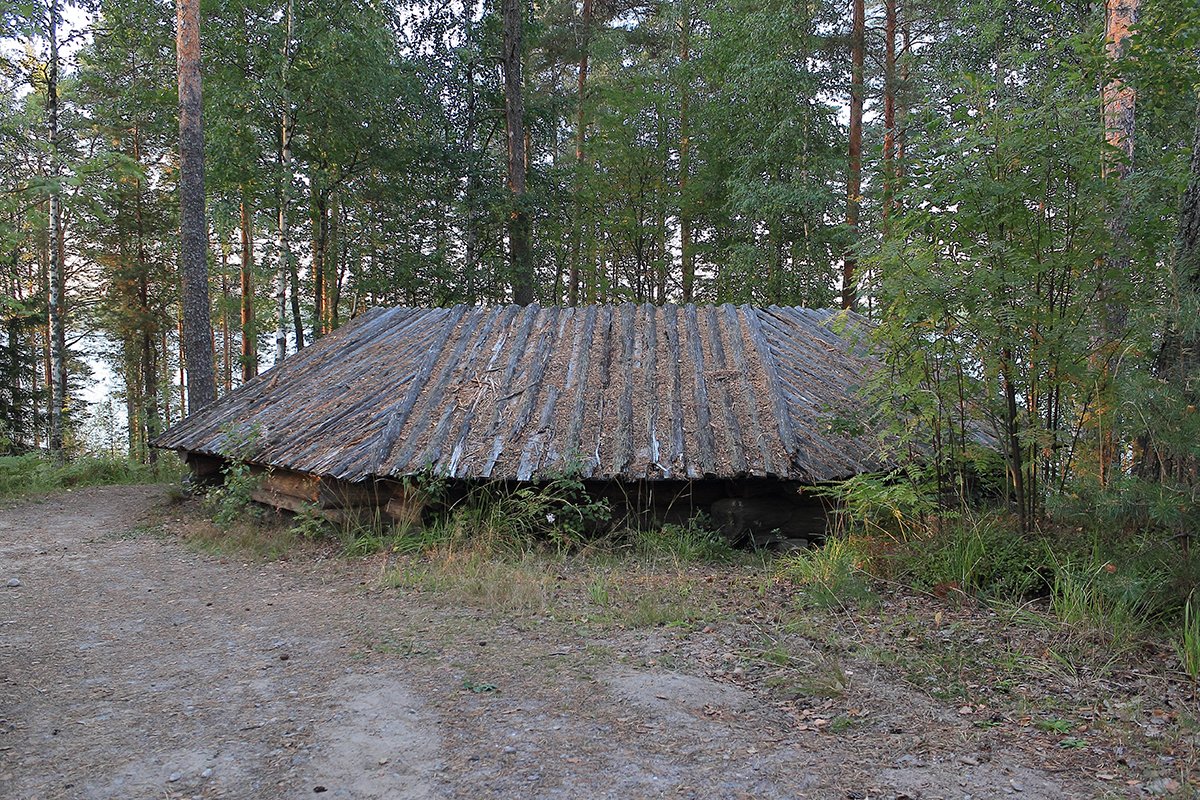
(320, 491)
(353, 515)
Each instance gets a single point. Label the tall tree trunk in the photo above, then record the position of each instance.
(149, 365)
(294, 297)
(333, 264)
(687, 256)
(319, 233)
(249, 329)
(183, 398)
(471, 236)
(226, 347)
(193, 227)
(56, 311)
(889, 110)
(1118, 101)
(854, 165)
(284, 248)
(520, 260)
(585, 43)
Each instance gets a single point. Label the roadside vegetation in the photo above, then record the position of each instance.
(35, 474)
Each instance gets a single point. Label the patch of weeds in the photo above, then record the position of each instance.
(600, 592)
(669, 606)
(1187, 642)
(404, 649)
(831, 575)
(841, 723)
(145, 530)
(1098, 594)
(307, 523)
(477, 687)
(694, 541)
(478, 578)
(1053, 725)
(1071, 743)
(978, 554)
(823, 676)
(261, 538)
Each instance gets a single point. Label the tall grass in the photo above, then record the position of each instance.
(34, 474)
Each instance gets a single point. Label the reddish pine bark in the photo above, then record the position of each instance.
(854, 166)
(193, 227)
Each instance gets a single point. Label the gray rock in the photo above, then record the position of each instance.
(13, 583)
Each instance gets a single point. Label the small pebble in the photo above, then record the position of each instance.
(207, 773)
(13, 583)
(175, 776)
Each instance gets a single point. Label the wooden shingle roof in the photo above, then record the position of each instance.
(625, 392)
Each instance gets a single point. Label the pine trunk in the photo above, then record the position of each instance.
(193, 227)
(249, 356)
(56, 312)
(319, 238)
(284, 245)
(889, 110)
(854, 166)
(1118, 101)
(520, 261)
(585, 24)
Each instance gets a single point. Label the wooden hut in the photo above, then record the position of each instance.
(677, 407)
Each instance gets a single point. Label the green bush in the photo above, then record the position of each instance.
(983, 555)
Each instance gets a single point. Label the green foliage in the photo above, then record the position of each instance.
(831, 575)
(893, 504)
(232, 501)
(308, 524)
(511, 518)
(35, 474)
(693, 541)
(980, 554)
(1187, 642)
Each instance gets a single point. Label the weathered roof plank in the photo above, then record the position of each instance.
(628, 392)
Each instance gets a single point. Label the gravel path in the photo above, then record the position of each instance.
(133, 667)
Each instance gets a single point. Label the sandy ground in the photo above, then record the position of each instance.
(133, 667)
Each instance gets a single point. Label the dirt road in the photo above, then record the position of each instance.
(133, 667)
